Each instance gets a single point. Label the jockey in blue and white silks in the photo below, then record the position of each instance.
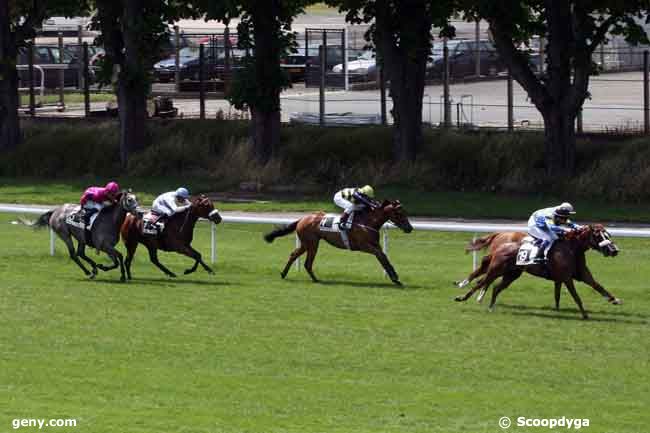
(172, 202)
(549, 224)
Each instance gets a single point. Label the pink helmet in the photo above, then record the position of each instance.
(112, 187)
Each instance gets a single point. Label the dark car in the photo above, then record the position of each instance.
(47, 59)
(165, 70)
(214, 66)
(462, 59)
(297, 64)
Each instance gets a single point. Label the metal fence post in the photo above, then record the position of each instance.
(52, 239)
(177, 59)
(297, 259)
(213, 243)
(201, 82)
(477, 54)
(382, 90)
(30, 75)
(86, 80)
(61, 73)
(511, 114)
(445, 84)
(646, 94)
(80, 72)
(346, 76)
(321, 93)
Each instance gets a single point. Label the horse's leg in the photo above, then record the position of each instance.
(495, 270)
(131, 247)
(292, 258)
(558, 292)
(73, 255)
(118, 260)
(585, 276)
(81, 252)
(153, 256)
(385, 263)
(192, 253)
(312, 249)
(485, 263)
(576, 298)
(506, 280)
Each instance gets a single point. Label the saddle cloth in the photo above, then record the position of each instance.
(528, 251)
(330, 224)
(150, 224)
(76, 219)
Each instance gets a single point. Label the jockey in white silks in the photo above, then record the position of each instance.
(352, 200)
(549, 224)
(170, 203)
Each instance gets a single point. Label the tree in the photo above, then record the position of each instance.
(573, 29)
(132, 33)
(402, 33)
(18, 20)
(265, 31)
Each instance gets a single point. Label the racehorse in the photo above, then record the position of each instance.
(177, 235)
(566, 262)
(103, 236)
(364, 235)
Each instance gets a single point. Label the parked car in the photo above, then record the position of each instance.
(362, 68)
(462, 59)
(47, 56)
(214, 64)
(165, 70)
(297, 64)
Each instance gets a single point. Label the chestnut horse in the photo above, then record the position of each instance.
(364, 235)
(177, 236)
(566, 262)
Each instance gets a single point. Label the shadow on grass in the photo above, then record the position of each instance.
(368, 285)
(161, 281)
(594, 316)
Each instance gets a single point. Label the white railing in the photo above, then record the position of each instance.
(440, 226)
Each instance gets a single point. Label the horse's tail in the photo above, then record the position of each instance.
(281, 231)
(480, 243)
(42, 221)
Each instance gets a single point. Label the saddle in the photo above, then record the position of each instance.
(151, 226)
(530, 252)
(78, 219)
(331, 224)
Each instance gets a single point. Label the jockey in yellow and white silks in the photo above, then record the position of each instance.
(170, 203)
(352, 200)
(549, 224)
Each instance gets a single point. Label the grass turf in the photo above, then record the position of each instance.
(244, 351)
(478, 205)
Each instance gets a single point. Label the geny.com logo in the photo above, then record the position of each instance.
(549, 423)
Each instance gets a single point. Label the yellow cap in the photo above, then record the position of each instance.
(368, 190)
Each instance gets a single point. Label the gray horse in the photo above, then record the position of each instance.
(104, 235)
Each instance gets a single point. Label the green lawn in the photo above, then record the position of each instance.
(418, 203)
(244, 351)
(69, 98)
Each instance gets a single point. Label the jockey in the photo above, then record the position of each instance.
(95, 198)
(170, 203)
(353, 200)
(550, 224)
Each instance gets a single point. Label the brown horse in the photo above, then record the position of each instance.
(566, 262)
(177, 235)
(364, 236)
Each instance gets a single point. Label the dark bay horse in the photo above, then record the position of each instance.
(566, 262)
(104, 235)
(364, 236)
(177, 235)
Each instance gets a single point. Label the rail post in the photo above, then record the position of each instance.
(80, 72)
(30, 74)
(646, 94)
(322, 51)
(445, 85)
(61, 73)
(474, 255)
(213, 243)
(52, 239)
(511, 114)
(298, 259)
(201, 82)
(177, 59)
(86, 80)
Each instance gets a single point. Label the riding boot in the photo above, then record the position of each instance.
(88, 213)
(345, 223)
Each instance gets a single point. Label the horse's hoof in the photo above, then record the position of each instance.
(616, 301)
(398, 283)
(585, 317)
(491, 308)
(92, 276)
(122, 280)
(461, 284)
(171, 275)
(283, 275)
(459, 299)
(187, 272)
(481, 295)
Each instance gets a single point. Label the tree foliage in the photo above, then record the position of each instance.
(573, 30)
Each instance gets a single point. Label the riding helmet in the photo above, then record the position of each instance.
(182, 193)
(368, 190)
(564, 210)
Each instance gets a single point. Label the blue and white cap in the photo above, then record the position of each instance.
(182, 193)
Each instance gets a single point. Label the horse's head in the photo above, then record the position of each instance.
(128, 201)
(397, 215)
(598, 238)
(204, 208)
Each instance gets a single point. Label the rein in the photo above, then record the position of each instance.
(187, 216)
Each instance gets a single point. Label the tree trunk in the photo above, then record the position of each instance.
(405, 68)
(132, 94)
(9, 99)
(559, 142)
(265, 115)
